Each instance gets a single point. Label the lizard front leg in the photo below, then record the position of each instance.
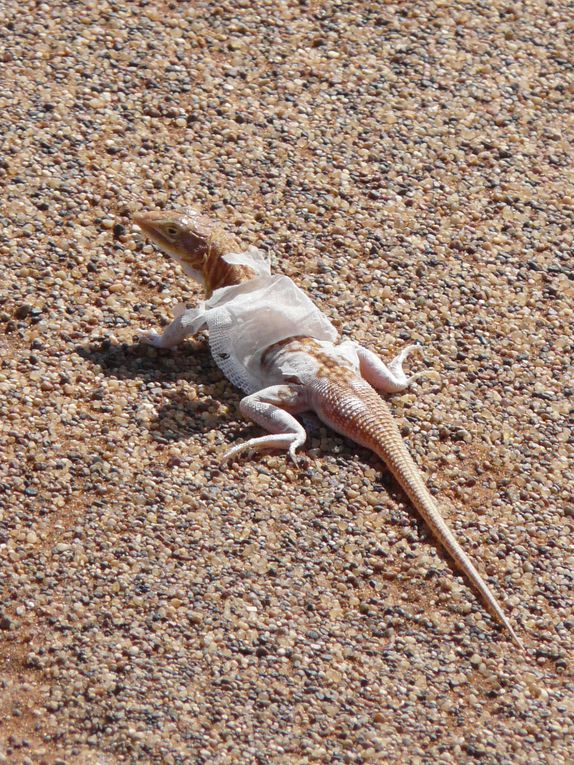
(186, 323)
(273, 408)
(389, 378)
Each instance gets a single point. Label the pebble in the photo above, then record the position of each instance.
(404, 163)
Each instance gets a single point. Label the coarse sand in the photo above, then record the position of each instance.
(409, 165)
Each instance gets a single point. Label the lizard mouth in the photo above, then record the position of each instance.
(138, 231)
(143, 220)
(150, 231)
(185, 246)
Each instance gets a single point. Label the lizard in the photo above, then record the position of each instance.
(271, 341)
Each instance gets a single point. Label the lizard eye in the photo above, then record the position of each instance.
(171, 232)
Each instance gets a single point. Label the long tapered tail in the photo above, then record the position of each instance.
(359, 413)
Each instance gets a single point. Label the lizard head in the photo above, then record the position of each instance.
(186, 235)
(197, 243)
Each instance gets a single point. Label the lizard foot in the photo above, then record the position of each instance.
(231, 454)
(275, 441)
(150, 337)
(396, 365)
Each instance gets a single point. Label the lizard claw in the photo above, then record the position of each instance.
(294, 458)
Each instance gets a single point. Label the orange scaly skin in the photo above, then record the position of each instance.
(301, 373)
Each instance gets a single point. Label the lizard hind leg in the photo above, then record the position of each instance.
(273, 408)
(388, 378)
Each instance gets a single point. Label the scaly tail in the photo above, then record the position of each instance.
(358, 412)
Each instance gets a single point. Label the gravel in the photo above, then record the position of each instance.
(408, 165)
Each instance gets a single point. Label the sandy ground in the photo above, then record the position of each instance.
(410, 166)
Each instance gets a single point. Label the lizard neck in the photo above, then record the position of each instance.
(216, 272)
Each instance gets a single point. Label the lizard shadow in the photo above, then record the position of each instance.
(181, 416)
(136, 360)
